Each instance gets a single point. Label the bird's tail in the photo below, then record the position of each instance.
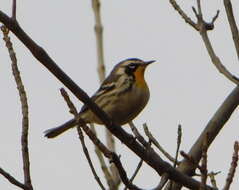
(53, 132)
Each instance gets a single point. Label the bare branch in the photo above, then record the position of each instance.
(183, 14)
(135, 172)
(107, 174)
(14, 9)
(138, 136)
(96, 5)
(212, 178)
(212, 129)
(203, 168)
(11, 179)
(81, 136)
(179, 140)
(233, 25)
(156, 143)
(232, 170)
(203, 27)
(23, 99)
(99, 39)
(163, 181)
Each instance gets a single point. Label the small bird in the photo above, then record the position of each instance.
(122, 95)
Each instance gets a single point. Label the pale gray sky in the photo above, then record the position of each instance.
(185, 87)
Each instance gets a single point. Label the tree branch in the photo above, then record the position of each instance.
(96, 5)
(81, 136)
(14, 9)
(232, 23)
(23, 99)
(11, 179)
(107, 174)
(232, 170)
(202, 27)
(212, 129)
(183, 14)
(156, 143)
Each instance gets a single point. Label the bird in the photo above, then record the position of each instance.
(122, 96)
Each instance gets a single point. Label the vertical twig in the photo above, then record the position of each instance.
(233, 25)
(179, 140)
(96, 5)
(14, 9)
(99, 39)
(23, 99)
(203, 169)
(232, 170)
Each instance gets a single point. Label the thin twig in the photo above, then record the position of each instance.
(163, 181)
(156, 143)
(179, 140)
(81, 136)
(183, 14)
(203, 170)
(99, 38)
(123, 174)
(107, 174)
(212, 178)
(137, 135)
(232, 170)
(11, 179)
(135, 172)
(24, 106)
(233, 25)
(202, 27)
(14, 9)
(96, 5)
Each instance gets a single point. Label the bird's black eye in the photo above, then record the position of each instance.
(130, 69)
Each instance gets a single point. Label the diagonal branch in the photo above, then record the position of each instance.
(81, 136)
(186, 18)
(202, 27)
(156, 143)
(11, 179)
(212, 129)
(149, 156)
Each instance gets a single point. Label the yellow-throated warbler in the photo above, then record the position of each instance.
(122, 95)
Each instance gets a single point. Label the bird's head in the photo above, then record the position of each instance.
(133, 67)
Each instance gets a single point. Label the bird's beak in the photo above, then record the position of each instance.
(148, 62)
